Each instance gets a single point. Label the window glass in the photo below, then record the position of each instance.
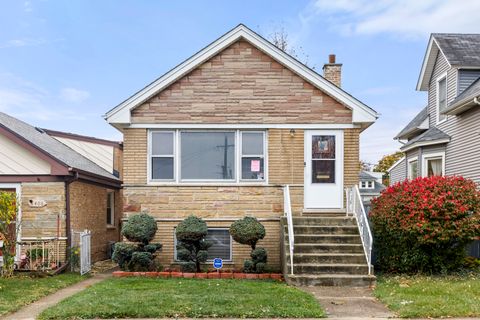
(442, 98)
(252, 156)
(162, 143)
(110, 208)
(434, 167)
(220, 240)
(208, 155)
(323, 159)
(413, 169)
(162, 168)
(252, 143)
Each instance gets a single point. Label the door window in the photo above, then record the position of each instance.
(323, 159)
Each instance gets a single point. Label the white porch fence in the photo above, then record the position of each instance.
(39, 254)
(81, 254)
(287, 207)
(355, 208)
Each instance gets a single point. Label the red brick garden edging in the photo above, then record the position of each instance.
(201, 275)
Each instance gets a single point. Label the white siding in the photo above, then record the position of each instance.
(98, 153)
(466, 78)
(15, 160)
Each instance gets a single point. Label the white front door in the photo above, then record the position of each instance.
(323, 183)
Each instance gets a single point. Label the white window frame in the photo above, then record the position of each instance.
(177, 159)
(151, 156)
(437, 98)
(432, 156)
(111, 201)
(367, 184)
(208, 260)
(262, 156)
(409, 170)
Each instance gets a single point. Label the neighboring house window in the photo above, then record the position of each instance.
(111, 208)
(162, 150)
(441, 98)
(221, 244)
(253, 155)
(412, 169)
(207, 156)
(366, 185)
(433, 165)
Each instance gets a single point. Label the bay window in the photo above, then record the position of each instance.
(207, 156)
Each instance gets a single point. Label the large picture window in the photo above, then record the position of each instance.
(207, 156)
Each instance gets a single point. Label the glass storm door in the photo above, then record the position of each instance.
(323, 183)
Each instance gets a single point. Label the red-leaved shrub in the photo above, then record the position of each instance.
(423, 225)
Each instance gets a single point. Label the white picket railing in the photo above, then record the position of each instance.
(287, 207)
(355, 208)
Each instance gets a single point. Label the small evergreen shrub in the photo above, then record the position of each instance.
(140, 254)
(191, 244)
(423, 225)
(249, 231)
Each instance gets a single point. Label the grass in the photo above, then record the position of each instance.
(193, 298)
(431, 296)
(19, 291)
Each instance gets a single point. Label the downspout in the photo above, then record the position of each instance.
(67, 209)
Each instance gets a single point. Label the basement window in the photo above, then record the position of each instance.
(221, 244)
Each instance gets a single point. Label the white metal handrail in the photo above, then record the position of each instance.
(356, 209)
(287, 207)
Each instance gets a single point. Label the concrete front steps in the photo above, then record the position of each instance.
(328, 251)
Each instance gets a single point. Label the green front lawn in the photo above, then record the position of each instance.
(422, 296)
(19, 291)
(150, 298)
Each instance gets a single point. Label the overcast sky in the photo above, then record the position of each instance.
(63, 64)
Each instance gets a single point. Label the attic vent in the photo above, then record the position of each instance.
(39, 130)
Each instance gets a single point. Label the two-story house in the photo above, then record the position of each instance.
(444, 137)
(221, 135)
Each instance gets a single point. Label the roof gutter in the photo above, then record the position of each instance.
(96, 179)
(423, 143)
(462, 106)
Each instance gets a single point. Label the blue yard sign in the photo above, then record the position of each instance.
(217, 263)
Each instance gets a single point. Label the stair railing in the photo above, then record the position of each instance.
(356, 209)
(287, 207)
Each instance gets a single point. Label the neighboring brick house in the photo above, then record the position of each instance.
(443, 138)
(60, 189)
(219, 136)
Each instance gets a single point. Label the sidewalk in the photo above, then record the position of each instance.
(31, 311)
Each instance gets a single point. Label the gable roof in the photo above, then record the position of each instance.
(465, 100)
(365, 176)
(52, 147)
(460, 50)
(121, 113)
(418, 123)
(429, 137)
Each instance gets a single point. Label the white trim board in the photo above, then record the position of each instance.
(241, 126)
(121, 113)
(432, 156)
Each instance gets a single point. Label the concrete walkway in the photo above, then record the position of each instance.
(346, 302)
(31, 311)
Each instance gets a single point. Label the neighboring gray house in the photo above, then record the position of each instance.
(444, 137)
(370, 186)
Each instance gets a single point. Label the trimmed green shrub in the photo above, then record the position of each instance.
(423, 225)
(191, 244)
(140, 254)
(140, 228)
(247, 231)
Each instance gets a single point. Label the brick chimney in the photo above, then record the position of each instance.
(332, 71)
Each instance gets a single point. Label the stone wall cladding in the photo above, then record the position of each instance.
(88, 207)
(135, 156)
(42, 222)
(241, 85)
(351, 156)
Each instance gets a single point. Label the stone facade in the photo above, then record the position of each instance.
(88, 207)
(242, 85)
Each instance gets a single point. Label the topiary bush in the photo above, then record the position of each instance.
(191, 244)
(423, 225)
(140, 254)
(249, 231)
